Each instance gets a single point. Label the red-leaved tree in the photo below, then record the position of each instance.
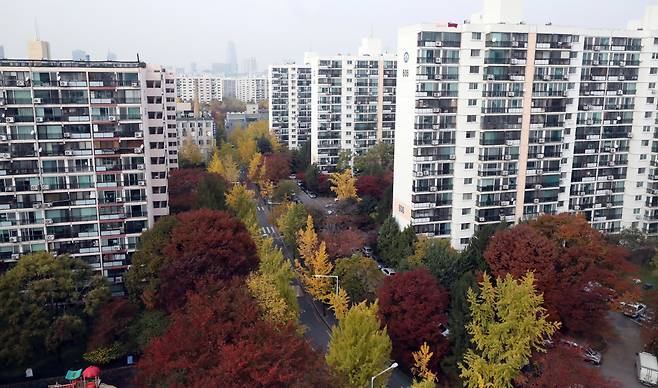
(412, 306)
(564, 367)
(277, 166)
(343, 242)
(183, 184)
(575, 268)
(370, 186)
(219, 340)
(111, 323)
(204, 244)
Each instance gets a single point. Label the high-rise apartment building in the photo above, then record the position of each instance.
(84, 158)
(197, 127)
(502, 121)
(251, 88)
(352, 103)
(205, 87)
(290, 103)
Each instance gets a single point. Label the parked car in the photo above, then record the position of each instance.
(388, 271)
(588, 354)
(311, 195)
(647, 368)
(443, 329)
(367, 251)
(292, 177)
(633, 310)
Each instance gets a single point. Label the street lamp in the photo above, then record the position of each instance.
(372, 379)
(329, 276)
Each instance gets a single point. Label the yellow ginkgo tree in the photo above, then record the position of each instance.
(343, 184)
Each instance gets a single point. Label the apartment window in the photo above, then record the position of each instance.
(471, 118)
(639, 184)
(653, 70)
(645, 143)
(464, 241)
(647, 115)
(475, 53)
(476, 35)
(472, 102)
(468, 181)
(468, 166)
(466, 211)
(650, 100)
(465, 226)
(472, 85)
(567, 131)
(636, 211)
(638, 197)
(643, 156)
(470, 134)
(652, 85)
(470, 150)
(467, 196)
(655, 40)
(641, 170)
(646, 128)
(474, 69)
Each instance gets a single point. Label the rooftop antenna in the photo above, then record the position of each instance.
(137, 57)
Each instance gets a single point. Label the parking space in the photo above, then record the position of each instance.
(618, 359)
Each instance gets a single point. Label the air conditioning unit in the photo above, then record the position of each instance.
(540, 156)
(595, 63)
(68, 152)
(66, 135)
(116, 248)
(9, 119)
(437, 60)
(118, 199)
(45, 187)
(541, 140)
(48, 221)
(5, 155)
(536, 200)
(490, 77)
(36, 206)
(608, 205)
(34, 188)
(620, 92)
(482, 219)
(611, 177)
(515, 44)
(547, 77)
(439, 44)
(504, 203)
(63, 83)
(453, 157)
(138, 150)
(2, 101)
(112, 118)
(50, 237)
(576, 207)
(433, 188)
(505, 187)
(39, 119)
(622, 63)
(537, 187)
(589, 122)
(141, 183)
(134, 84)
(629, 134)
(20, 83)
(507, 157)
(611, 163)
(139, 134)
(141, 166)
(621, 78)
(438, 77)
(435, 142)
(15, 256)
(510, 94)
(505, 173)
(9, 188)
(36, 100)
(539, 172)
(13, 239)
(48, 204)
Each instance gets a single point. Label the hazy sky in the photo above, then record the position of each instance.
(179, 32)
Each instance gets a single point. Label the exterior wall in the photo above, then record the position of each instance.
(81, 171)
(505, 122)
(348, 113)
(251, 89)
(290, 103)
(201, 130)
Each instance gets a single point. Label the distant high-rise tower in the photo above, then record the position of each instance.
(79, 55)
(231, 59)
(111, 56)
(38, 50)
(2, 52)
(193, 69)
(249, 66)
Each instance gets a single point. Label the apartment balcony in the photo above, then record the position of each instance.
(498, 157)
(496, 187)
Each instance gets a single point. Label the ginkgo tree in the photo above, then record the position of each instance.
(222, 163)
(343, 184)
(507, 324)
(421, 367)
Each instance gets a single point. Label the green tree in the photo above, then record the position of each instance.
(301, 157)
(377, 161)
(292, 220)
(359, 348)
(211, 192)
(360, 277)
(149, 325)
(311, 178)
(507, 324)
(284, 190)
(141, 279)
(394, 245)
(275, 266)
(443, 262)
(240, 202)
(344, 160)
(44, 304)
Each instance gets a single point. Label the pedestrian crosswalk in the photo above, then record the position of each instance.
(268, 230)
(260, 208)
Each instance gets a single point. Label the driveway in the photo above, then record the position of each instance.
(620, 355)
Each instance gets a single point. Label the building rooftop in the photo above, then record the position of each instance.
(69, 63)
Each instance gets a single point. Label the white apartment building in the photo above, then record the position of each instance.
(352, 103)
(84, 158)
(197, 127)
(251, 88)
(205, 87)
(502, 121)
(290, 103)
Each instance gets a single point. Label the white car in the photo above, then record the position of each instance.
(388, 271)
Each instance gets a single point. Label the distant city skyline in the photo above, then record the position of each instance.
(268, 32)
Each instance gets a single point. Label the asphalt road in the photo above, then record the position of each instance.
(313, 315)
(620, 354)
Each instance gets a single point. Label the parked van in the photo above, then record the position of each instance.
(647, 369)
